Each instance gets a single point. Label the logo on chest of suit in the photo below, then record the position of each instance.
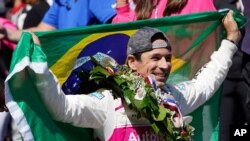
(146, 136)
(97, 95)
(135, 133)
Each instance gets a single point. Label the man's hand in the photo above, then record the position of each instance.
(35, 39)
(233, 32)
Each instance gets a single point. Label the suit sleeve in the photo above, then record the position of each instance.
(88, 111)
(194, 93)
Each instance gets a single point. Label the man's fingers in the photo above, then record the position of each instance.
(231, 27)
(35, 38)
(228, 17)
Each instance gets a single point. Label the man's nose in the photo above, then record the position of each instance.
(164, 64)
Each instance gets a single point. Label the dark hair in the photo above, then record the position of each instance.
(144, 8)
(174, 6)
(137, 56)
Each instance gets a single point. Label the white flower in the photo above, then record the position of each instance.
(140, 94)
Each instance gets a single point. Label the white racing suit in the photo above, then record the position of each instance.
(113, 121)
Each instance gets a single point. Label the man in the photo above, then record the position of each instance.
(64, 14)
(149, 52)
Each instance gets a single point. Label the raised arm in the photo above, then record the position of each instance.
(79, 110)
(207, 81)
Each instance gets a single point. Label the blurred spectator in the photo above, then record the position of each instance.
(28, 16)
(221, 4)
(2, 106)
(246, 39)
(4, 128)
(2, 8)
(235, 98)
(4, 116)
(27, 13)
(6, 48)
(131, 10)
(15, 10)
(33, 13)
(5, 57)
(31, 18)
(69, 14)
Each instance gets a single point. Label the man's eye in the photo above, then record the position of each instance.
(155, 58)
(168, 59)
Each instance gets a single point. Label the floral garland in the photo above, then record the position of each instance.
(138, 94)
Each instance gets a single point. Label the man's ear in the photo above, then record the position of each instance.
(131, 61)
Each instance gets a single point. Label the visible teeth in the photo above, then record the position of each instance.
(160, 74)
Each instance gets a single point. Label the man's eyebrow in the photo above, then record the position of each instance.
(158, 54)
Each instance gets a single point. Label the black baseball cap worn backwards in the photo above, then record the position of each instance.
(145, 39)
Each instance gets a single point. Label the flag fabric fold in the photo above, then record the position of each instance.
(64, 53)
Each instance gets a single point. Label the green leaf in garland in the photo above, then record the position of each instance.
(138, 95)
(162, 114)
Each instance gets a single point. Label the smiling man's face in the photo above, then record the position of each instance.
(156, 62)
